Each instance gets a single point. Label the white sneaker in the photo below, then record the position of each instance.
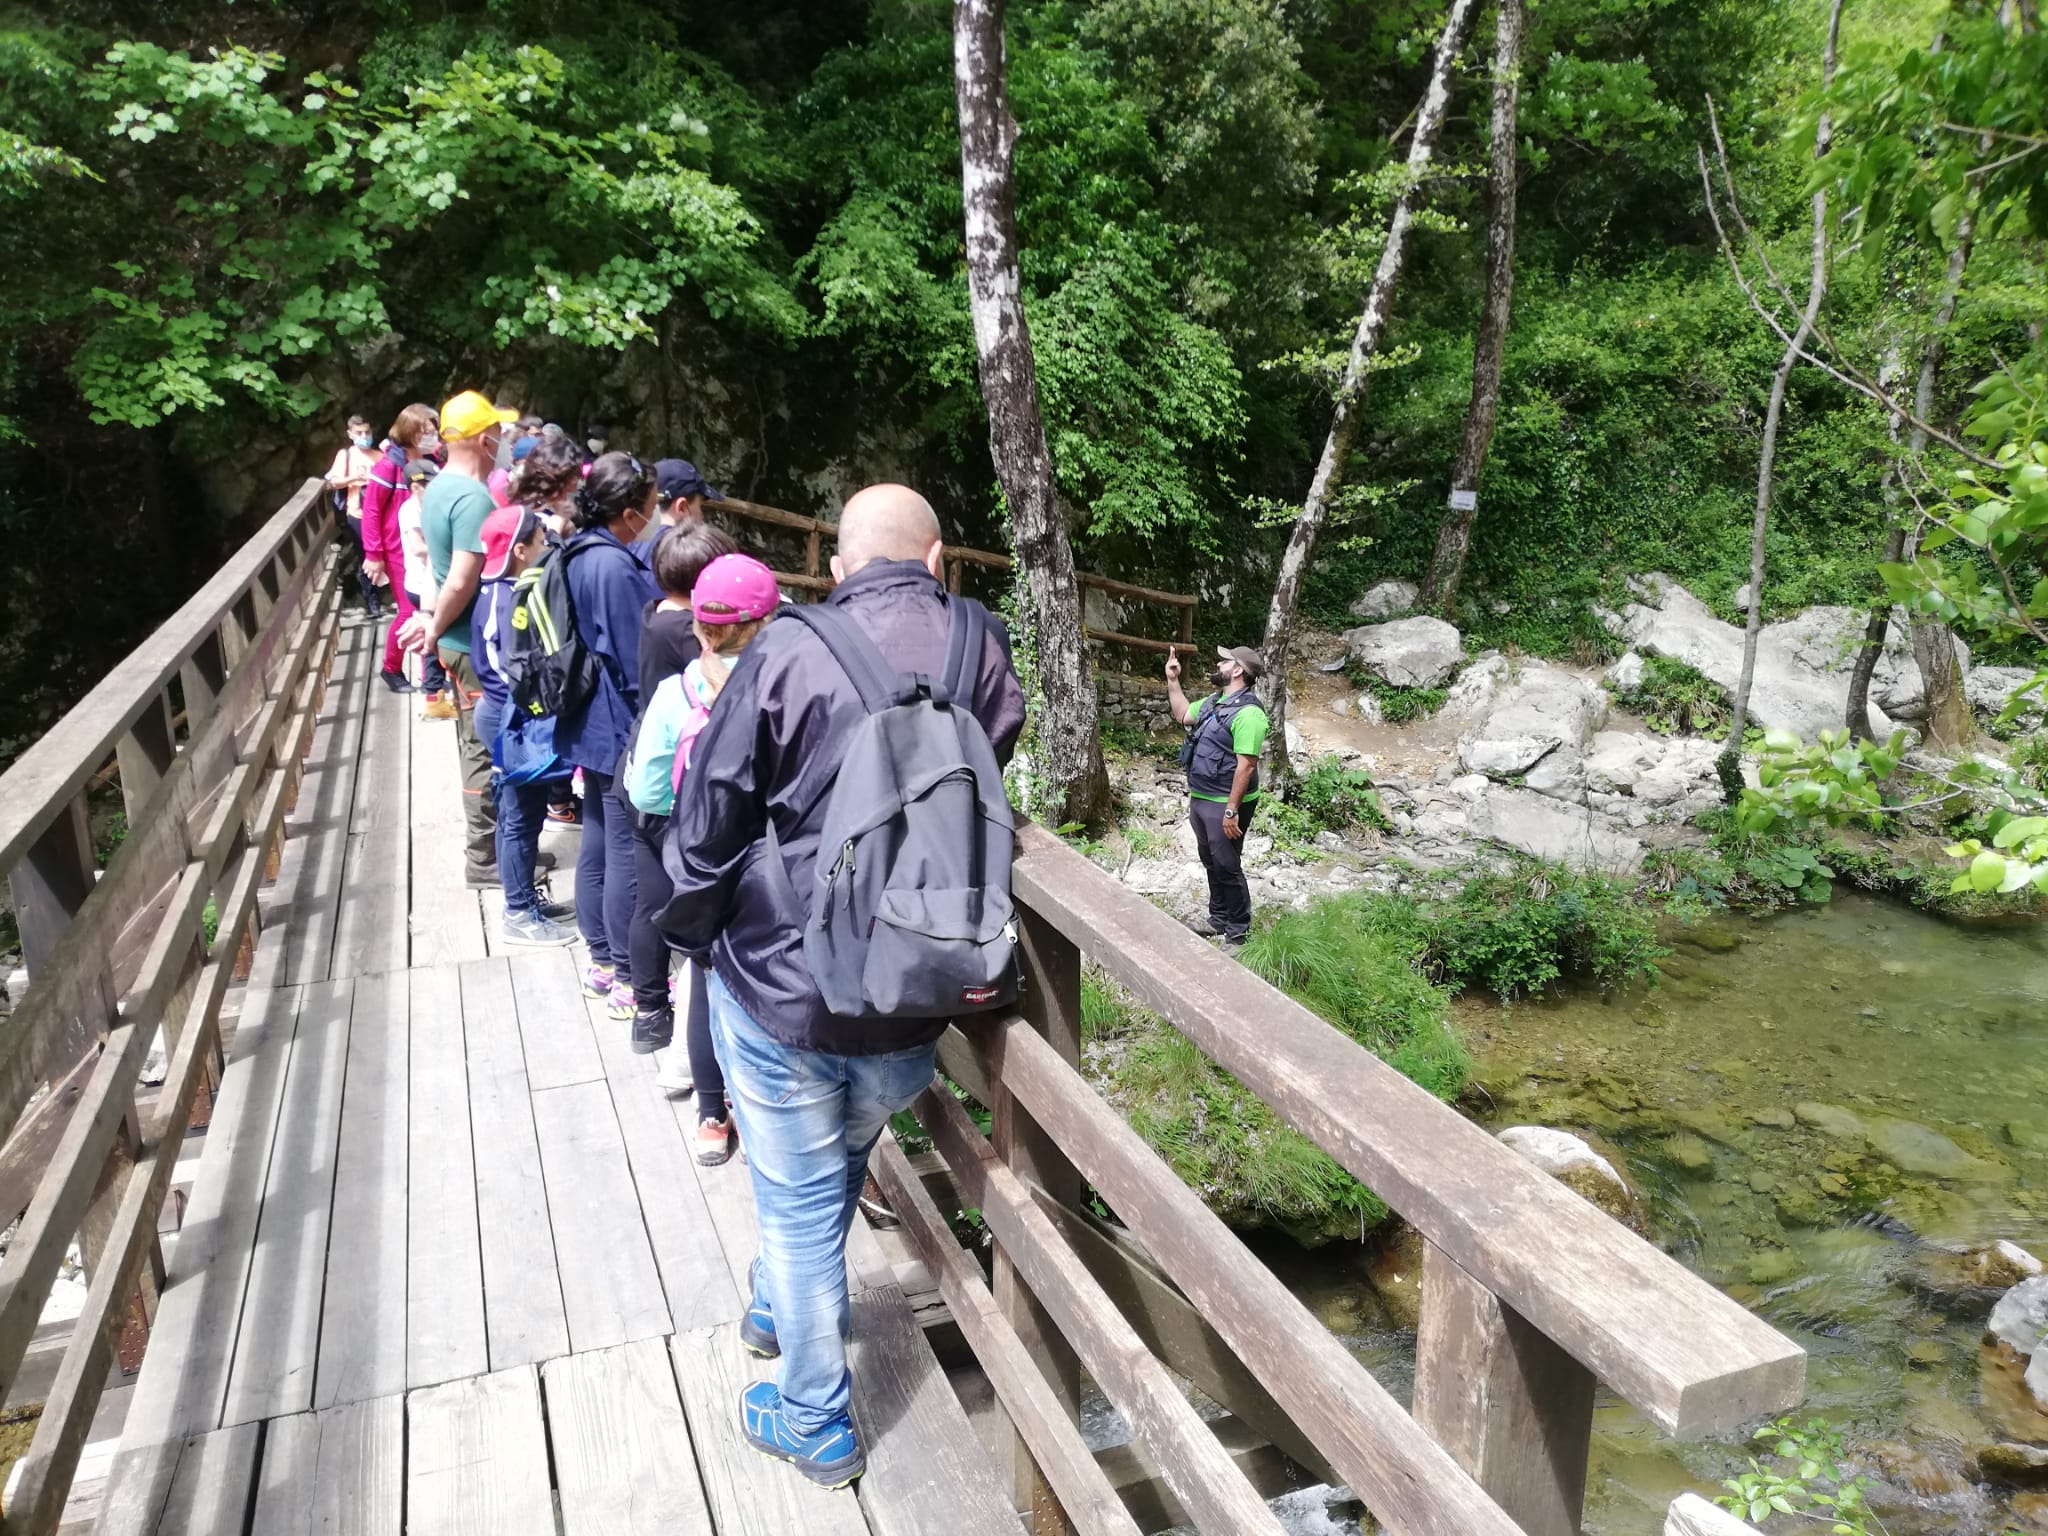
(674, 1076)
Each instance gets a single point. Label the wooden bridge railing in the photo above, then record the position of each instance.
(116, 954)
(1530, 1295)
(814, 578)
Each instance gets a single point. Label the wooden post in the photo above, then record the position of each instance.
(145, 755)
(51, 883)
(203, 677)
(1051, 1004)
(811, 553)
(1187, 624)
(1515, 1410)
(953, 576)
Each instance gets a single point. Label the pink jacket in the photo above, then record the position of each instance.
(382, 498)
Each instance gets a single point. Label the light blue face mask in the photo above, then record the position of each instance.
(364, 442)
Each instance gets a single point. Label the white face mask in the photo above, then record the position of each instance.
(594, 444)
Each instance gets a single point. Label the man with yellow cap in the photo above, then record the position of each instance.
(452, 513)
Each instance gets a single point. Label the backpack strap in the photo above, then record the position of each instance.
(966, 632)
(877, 683)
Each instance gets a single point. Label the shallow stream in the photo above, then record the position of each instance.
(1815, 1108)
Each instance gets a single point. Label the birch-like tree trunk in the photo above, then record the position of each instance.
(1068, 742)
(1351, 388)
(1454, 538)
(1774, 412)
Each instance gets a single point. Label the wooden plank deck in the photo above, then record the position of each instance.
(448, 1265)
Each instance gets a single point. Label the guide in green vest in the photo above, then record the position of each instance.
(1226, 731)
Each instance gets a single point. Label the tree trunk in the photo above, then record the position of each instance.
(1948, 726)
(1454, 538)
(1857, 716)
(1351, 390)
(1068, 743)
(1760, 527)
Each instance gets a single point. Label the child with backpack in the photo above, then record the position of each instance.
(513, 539)
(731, 601)
(346, 478)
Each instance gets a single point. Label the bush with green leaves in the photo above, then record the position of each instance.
(1338, 797)
(1676, 700)
(1515, 933)
(1801, 1475)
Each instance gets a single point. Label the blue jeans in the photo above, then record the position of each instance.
(605, 876)
(522, 808)
(808, 1121)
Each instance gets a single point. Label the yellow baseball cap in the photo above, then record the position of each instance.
(470, 414)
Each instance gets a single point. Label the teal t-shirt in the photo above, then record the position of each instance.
(1248, 728)
(452, 513)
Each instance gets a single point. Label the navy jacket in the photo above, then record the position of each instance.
(773, 747)
(610, 585)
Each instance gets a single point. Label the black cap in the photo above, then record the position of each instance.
(679, 477)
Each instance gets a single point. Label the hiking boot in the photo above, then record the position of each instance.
(829, 1456)
(557, 911)
(1233, 942)
(757, 1328)
(397, 682)
(440, 707)
(1207, 927)
(675, 1075)
(564, 813)
(597, 982)
(544, 861)
(653, 1028)
(535, 929)
(714, 1146)
(620, 1003)
(481, 878)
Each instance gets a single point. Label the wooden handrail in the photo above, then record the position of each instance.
(36, 788)
(116, 957)
(813, 579)
(1691, 1358)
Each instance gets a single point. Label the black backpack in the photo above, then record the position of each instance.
(909, 914)
(548, 668)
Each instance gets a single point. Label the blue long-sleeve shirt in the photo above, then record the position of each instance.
(610, 585)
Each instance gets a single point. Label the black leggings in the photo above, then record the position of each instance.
(710, 1082)
(646, 949)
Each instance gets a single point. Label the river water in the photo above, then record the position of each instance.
(1815, 1107)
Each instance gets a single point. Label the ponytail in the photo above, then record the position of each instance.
(617, 484)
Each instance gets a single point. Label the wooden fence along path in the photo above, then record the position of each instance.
(446, 1264)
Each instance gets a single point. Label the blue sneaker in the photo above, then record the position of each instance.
(757, 1328)
(831, 1456)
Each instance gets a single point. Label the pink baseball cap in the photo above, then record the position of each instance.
(734, 589)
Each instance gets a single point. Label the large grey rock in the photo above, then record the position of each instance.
(2020, 1320)
(1536, 712)
(1556, 1151)
(1407, 653)
(1803, 663)
(1557, 830)
(1386, 600)
(1990, 689)
(1626, 674)
(1916, 1149)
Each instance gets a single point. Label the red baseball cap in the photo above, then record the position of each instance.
(502, 531)
(734, 589)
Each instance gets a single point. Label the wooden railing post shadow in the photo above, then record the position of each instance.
(1051, 1004)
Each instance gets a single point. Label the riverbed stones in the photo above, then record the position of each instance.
(1926, 1153)
(2022, 1466)
(1574, 1164)
(2020, 1320)
(1690, 1155)
(1773, 1119)
(1421, 652)
(1386, 600)
(1830, 1120)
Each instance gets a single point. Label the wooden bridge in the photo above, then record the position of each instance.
(441, 1262)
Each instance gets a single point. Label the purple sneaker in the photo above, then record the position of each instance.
(621, 1005)
(598, 982)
